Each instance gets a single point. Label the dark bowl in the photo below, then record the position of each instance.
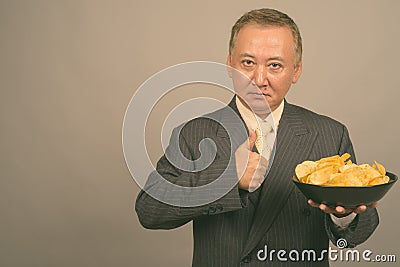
(346, 196)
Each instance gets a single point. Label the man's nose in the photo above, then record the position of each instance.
(260, 77)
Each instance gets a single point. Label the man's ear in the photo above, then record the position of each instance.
(297, 72)
(229, 65)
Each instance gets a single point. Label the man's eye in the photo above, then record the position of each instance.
(275, 65)
(248, 62)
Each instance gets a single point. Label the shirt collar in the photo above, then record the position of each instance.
(252, 120)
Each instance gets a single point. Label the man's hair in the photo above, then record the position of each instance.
(268, 17)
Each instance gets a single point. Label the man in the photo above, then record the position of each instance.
(264, 209)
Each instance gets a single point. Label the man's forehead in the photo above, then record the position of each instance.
(263, 27)
(264, 35)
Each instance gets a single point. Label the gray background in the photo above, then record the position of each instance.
(69, 68)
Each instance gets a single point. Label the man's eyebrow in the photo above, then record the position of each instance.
(271, 58)
(275, 58)
(247, 55)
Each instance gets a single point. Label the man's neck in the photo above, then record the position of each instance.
(251, 117)
(261, 114)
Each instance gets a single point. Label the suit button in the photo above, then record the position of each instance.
(212, 209)
(219, 207)
(246, 259)
(306, 212)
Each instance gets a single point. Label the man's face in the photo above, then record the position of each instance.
(266, 56)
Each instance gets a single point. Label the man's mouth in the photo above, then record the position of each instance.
(260, 94)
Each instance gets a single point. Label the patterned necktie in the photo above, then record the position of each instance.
(259, 141)
(263, 142)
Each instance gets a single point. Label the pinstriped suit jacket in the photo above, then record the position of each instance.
(232, 230)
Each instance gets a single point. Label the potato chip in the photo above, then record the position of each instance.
(381, 169)
(348, 167)
(386, 179)
(336, 179)
(378, 180)
(321, 176)
(345, 157)
(327, 159)
(353, 179)
(305, 168)
(370, 172)
(340, 171)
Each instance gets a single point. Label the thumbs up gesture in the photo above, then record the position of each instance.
(250, 166)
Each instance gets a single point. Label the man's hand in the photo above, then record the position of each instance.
(250, 166)
(340, 211)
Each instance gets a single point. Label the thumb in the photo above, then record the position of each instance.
(252, 138)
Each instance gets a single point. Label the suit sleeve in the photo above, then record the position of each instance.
(364, 224)
(151, 207)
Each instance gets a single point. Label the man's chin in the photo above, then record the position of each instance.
(261, 112)
(260, 106)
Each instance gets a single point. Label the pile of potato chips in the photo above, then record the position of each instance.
(339, 171)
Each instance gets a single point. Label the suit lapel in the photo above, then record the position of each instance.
(294, 142)
(231, 121)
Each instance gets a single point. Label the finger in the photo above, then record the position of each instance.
(255, 156)
(252, 139)
(263, 161)
(312, 203)
(261, 167)
(261, 172)
(320, 206)
(360, 209)
(251, 189)
(258, 177)
(326, 208)
(373, 205)
(363, 208)
(339, 210)
(254, 185)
